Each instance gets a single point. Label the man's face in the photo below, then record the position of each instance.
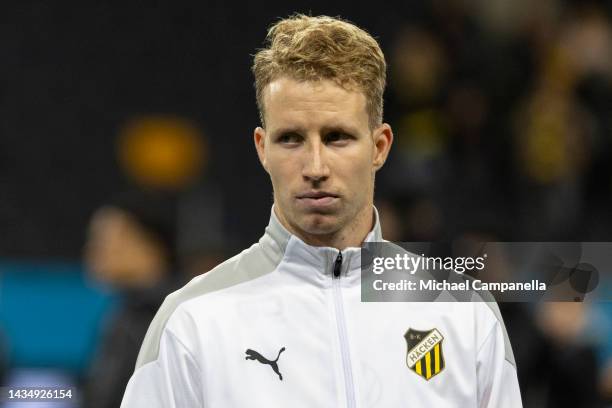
(321, 155)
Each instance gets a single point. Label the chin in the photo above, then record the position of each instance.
(319, 224)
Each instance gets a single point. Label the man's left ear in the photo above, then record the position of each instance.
(383, 138)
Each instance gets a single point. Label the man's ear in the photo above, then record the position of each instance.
(259, 137)
(383, 139)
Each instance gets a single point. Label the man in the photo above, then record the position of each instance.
(282, 324)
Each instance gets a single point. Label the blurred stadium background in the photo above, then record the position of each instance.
(502, 112)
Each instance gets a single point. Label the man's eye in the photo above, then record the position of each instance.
(289, 138)
(337, 137)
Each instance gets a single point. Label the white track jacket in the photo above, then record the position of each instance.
(282, 325)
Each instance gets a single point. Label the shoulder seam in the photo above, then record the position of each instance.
(508, 352)
(183, 345)
(250, 264)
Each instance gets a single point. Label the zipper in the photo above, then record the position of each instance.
(342, 334)
(338, 265)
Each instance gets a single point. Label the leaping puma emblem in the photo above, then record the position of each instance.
(253, 355)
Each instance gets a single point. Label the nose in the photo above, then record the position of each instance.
(315, 166)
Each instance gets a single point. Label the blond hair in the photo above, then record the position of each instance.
(308, 48)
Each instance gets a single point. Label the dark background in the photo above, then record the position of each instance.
(72, 74)
(502, 114)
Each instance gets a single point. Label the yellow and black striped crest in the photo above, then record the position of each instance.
(424, 355)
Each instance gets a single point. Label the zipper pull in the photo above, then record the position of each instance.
(338, 265)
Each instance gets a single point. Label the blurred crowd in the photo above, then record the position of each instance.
(502, 115)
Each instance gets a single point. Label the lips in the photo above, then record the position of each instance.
(317, 200)
(316, 195)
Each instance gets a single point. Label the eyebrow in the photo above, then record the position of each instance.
(282, 131)
(340, 128)
(325, 130)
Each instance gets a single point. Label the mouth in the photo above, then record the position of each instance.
(316, 195)
(317, 199)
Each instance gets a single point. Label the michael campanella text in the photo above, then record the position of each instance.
(476, 284)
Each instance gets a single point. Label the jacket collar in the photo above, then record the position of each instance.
(322, 259)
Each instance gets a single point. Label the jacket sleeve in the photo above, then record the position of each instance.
(172, 380)
(496, 371)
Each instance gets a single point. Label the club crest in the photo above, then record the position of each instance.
(424, 355)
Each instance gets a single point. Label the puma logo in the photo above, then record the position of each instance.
(253, 355)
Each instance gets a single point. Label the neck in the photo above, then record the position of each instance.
(351, 235)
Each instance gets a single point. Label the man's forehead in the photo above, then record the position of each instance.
(288, 100)
(286, 88)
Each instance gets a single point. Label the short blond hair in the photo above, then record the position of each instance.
(308, 48)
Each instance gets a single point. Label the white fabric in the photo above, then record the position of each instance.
(339, 352)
